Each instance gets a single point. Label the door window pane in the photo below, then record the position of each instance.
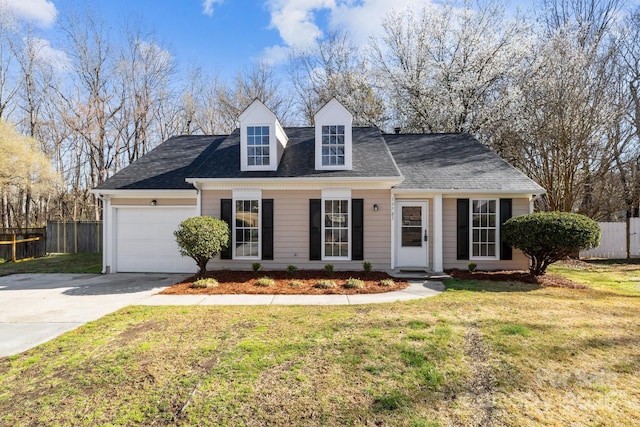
(411, 232)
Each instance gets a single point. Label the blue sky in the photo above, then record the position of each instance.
(221, 35)
(224, 36)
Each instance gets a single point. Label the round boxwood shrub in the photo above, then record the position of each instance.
(547, 237)
(202, 238)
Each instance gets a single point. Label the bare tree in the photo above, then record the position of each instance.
(444, 67)
(258, 82)
(333, 68)
(559, 129)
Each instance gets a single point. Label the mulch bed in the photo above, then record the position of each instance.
(547, 280)
(243, 282)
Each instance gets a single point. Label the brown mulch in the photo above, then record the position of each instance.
(242, 282)
(547, 280)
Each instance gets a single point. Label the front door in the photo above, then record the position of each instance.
(412, 238)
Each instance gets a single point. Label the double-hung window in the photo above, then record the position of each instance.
(484, 229)
(247, 228)
(258, 145)
(333, 145)
(336, 228)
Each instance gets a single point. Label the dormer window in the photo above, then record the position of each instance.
(333, 145)
(333, 125)
(258, 145)
(262, 139)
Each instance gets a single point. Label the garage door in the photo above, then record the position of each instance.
(145, 241)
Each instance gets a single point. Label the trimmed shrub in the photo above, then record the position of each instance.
(325, 284)
(387, 283)
(256, 266)
(547, 237)
(202, 238)
(472, 266)
(265, 282)
(205, 283)
(292, 270)
(366, 266)
(328, 269)
(352, 283)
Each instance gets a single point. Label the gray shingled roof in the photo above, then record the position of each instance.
(371, 158)
(454, 162)
(166, 166)
(430, 162)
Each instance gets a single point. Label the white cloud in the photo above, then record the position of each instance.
(57, 59)
(41, 12)
(298, 26)
(365, 19)
(207, 6)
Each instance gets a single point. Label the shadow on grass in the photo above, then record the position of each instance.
(489, 286)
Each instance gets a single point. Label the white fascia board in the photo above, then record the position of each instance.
(457, 192)
(131, 194)
(295, 183)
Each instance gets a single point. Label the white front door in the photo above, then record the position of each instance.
(412, 238)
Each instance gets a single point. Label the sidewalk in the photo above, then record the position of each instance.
(417, 289)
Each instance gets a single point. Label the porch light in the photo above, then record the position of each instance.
(375, 207)
(154, 202)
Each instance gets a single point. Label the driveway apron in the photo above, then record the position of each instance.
(35, 308)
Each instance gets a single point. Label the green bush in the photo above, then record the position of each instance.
(352, 283)
(256, 266)
(296, 284)
(472, 266)
(366, 266)
(292, 270)
(328, 269)
(547, 237)
(325, 284)
(265, 282)
(202, 238)
(387, 283)
(205, 283)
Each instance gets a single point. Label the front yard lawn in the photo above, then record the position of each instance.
(55, 263)
(481, 353)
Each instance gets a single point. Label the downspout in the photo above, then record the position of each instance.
(106, 209)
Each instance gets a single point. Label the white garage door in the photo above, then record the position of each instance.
(145, 241)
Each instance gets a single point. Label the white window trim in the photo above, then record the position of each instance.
(244, 148)
(336, 194)
(497, 243)
(246, 195)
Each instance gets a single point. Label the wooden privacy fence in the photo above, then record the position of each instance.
(74, 237)
(22, 243)
(613, 240)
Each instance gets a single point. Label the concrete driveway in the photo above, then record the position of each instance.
(35, 308)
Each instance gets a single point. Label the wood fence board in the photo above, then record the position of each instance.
(74, 236)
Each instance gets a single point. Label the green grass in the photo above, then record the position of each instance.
(480, 353)
(55, 263)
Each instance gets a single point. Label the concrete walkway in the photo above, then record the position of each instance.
(35, 308)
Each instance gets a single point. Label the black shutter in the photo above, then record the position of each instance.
(226, 212)
(505, 214)
(463, 229)
(357, 229)
(267, 229)
(315, 229)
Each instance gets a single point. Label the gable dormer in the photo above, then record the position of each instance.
(333, 126)
(262, 139)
